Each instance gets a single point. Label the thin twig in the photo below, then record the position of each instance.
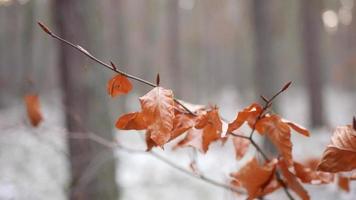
(108, 66)
(201, 177)
(113, 145)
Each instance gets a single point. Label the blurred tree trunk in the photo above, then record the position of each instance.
(92, 168)
(311, 25)
(173, 55)
(265, 71)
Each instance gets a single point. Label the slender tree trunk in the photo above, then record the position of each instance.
(311, 25)
(265, 72)
(93, 176)
(173, 55)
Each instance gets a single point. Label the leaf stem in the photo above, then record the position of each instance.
(111, 145)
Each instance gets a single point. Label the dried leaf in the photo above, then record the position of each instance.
(181, 124)
(241, 146)
(255, 178)
(340, 154)
(308, 174)
(292, 181)
(158, 113)
(279, 133)
(119, 84)
(131, 121)
(248, 114)
(194, 138)
(33, 109)
(298, 128)
(212, 127)
(343, 183)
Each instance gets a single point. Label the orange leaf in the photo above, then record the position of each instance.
(241, 146)
(297, 127)
(149, 142)
(255, 178)
(158, 113)
(292, 181)
(340, 154)
(308, 174)
(181, 124)
(279, 133)
(193, 139)
(131, 121)
(248, 114)
(343, 183)
(212, 127)
(119, 84)
(33, 109)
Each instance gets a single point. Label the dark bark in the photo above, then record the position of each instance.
(93, 177)
(311, 25)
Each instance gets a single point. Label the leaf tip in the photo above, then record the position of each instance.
(44, 28)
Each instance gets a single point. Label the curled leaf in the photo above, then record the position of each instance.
(131, 121)
(255, 178)
(248, 114)
(340, 154)
(292, 181)
(298, 128)
(308, 174)
(33, 109)
(119, 84)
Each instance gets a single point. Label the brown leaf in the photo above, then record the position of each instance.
(248, 114)
(292, 181)
(340, 154)
(308, 174)
(255, 178)
(33, 109)
(181, 124)
(241, 146)
(343, 183)
(119, 84)
(279, 133)
(297, 127)
(158, 113)
(212, 127)
(131, 121)
(194, 138)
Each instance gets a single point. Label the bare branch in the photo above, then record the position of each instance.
(109, 144)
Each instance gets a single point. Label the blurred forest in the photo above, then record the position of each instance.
(224, 52)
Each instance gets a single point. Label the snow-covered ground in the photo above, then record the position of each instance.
(33, 164)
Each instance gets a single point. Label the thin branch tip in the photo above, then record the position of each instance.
(44, 28)
(158, 79)
(286, 86)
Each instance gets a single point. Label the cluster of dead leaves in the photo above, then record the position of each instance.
(164, 119)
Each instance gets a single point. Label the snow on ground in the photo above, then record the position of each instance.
(33, 164)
